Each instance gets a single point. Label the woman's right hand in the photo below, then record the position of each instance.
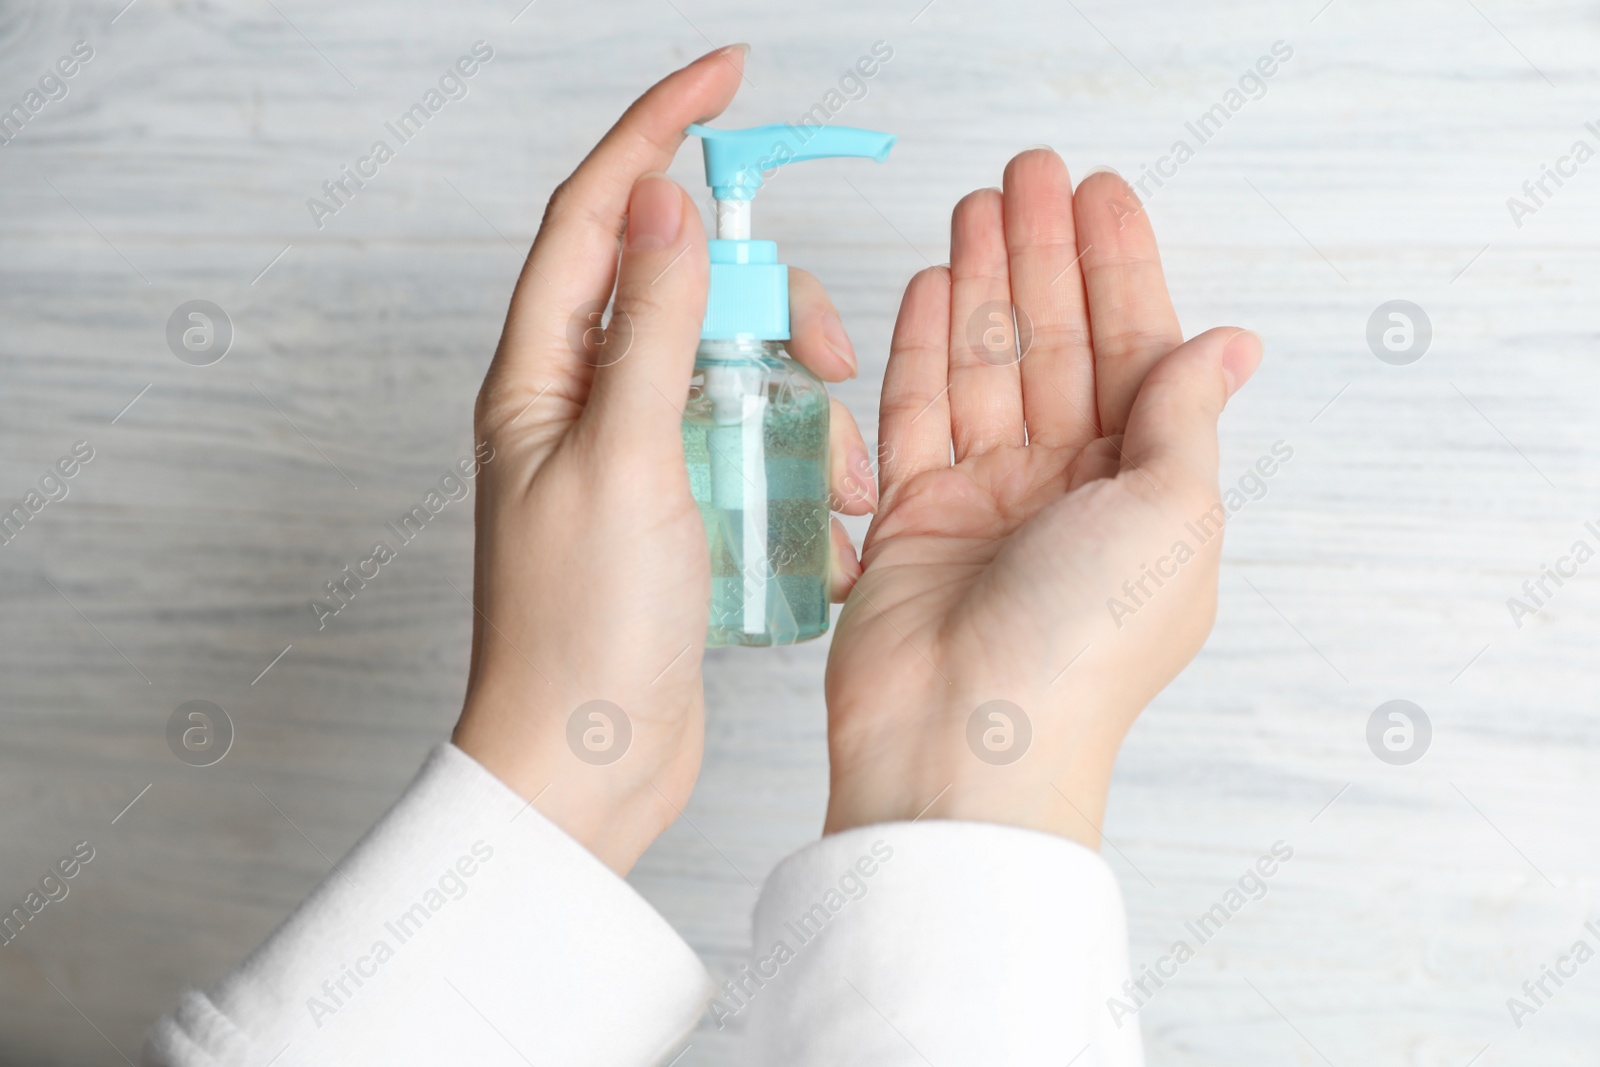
(1019, 607)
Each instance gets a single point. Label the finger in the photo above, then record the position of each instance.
(655, 327)
(1172, 429)
(914, 412)
(1130, 315)
(1058, 402)
(816, 333)
(852, 487)
(985, 382)
(574, 258)
(844, 566)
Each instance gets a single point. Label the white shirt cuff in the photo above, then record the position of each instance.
(463, 928)
(937, 942)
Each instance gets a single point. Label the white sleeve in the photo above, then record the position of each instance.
(937, 942)
(463, 928)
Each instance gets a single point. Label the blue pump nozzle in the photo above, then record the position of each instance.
(735, 159)
(749, 294)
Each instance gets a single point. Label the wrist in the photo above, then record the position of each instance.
(614, 810)
(1049, 772)
(1073, 809)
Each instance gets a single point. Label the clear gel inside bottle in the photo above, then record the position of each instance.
(755, 434)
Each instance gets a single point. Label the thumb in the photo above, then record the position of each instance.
(655, 317)
(1172, 429)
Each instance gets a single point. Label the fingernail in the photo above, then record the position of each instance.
(838, 340)
(725, 52)
(1127, 189)
(1036, 147)
(655, 213)
(1240, 357)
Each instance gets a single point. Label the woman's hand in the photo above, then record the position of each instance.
(1066, 564)
(592, 577)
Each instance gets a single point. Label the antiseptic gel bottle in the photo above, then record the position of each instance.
(755, 430)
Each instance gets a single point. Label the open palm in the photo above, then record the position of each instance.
(1084, 454)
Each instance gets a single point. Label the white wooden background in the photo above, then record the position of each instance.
(1376, 167)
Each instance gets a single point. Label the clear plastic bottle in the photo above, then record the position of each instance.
(755, 429)
(755, 434)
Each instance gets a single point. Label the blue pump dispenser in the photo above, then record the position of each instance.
(736, 160)
(749, 296)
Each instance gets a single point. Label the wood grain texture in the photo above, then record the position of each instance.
(1376, 166)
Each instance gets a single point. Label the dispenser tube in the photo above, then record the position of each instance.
(733, 220)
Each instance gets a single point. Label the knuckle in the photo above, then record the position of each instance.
(567, 203)
(904, 407)
(640, 300)
(557, 205)
(1052, 336)
(1134, 339)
